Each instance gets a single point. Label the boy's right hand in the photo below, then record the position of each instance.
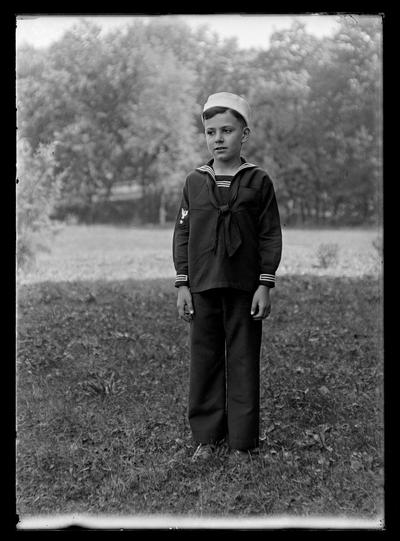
(184, 304)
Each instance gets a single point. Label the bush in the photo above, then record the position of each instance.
(37, 193)
(143, 210)
(328, 255)
(377, 243)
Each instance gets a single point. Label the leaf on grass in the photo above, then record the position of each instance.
(356, 465)
(322, 431)
(38, 341)
(323, 390)
(118, 334)
(89, 341)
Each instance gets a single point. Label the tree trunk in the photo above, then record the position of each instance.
(90, 210)
(162, 211)
(302, 212)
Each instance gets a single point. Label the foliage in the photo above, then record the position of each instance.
(321, 126)
(125, 107)
(113, 124)
(327, 254)
(38, 191)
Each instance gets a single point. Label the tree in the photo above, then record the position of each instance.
(346, 118)
(317, 124)
(116, 125)
(160, 132)
(280, 95)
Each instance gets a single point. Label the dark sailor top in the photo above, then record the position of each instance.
(227, 232)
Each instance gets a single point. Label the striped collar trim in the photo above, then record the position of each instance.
(208, 169)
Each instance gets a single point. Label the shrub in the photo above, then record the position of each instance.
(328, 255)
(37, 193)
(377, 243)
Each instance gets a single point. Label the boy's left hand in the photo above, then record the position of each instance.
(261, 304)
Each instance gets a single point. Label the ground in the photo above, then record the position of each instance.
(102, 375)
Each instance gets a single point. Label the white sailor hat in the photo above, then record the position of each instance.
(231, 101)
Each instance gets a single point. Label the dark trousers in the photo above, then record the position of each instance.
(224, 392)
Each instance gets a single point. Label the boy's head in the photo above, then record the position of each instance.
(225, 118)
(221, 101)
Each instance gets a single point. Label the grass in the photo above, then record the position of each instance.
(109, 253)
(102, 385)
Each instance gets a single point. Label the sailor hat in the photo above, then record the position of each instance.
(231, 101)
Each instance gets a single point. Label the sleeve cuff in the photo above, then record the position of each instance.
(181, 280)
(267, 280)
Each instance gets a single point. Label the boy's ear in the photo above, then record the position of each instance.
(246, 133)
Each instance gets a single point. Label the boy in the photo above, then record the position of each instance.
(226, 248)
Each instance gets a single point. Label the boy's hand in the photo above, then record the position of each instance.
(261, 305)
(184, 303)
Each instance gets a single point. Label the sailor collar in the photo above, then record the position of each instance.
(207, 168)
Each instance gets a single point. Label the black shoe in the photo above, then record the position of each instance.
(203, 451)
(238, 455)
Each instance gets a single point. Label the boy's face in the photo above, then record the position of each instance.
(225, 135)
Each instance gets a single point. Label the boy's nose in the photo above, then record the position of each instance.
(219, 137)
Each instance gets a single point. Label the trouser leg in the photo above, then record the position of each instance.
(207, 417)
(243, 343)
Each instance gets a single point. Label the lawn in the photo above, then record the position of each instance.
(102, 374)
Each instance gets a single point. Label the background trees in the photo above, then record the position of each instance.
(123, 110)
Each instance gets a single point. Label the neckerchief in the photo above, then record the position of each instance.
(226, 214)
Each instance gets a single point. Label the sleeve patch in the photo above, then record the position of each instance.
(184, 213)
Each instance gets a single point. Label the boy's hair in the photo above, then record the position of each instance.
(218, 110)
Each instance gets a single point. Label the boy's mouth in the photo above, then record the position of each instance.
(219, 149)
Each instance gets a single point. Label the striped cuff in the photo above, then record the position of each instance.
(267, 280)
(181, 280)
